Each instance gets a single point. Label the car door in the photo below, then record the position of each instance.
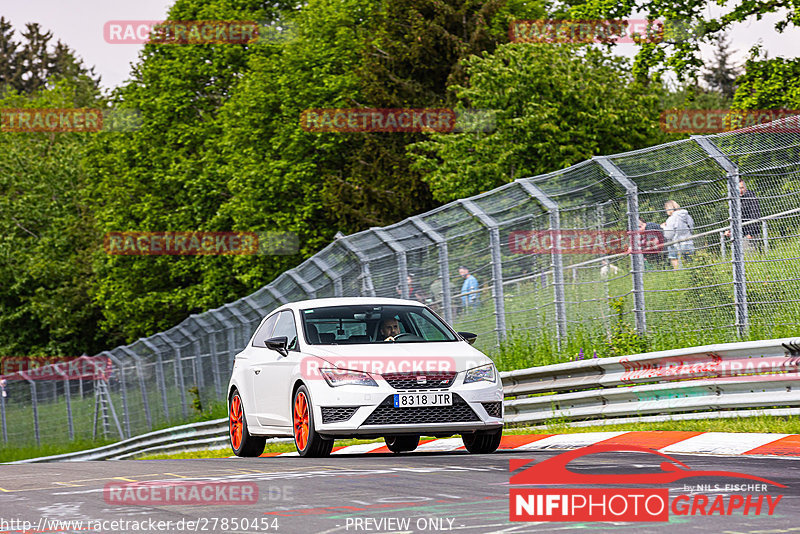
(272, 375)
(256, 356)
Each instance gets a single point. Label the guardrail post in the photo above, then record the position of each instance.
(497, 265)
(400, 254)
(179, 383)
(444, 265)
(637, 259)
(737, 236)
(557, 263)
(70, 425)
(300, 281)
(366, 283)
(326, 269)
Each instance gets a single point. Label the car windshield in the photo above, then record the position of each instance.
(338, 325)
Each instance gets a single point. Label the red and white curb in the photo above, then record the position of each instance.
(718, 443)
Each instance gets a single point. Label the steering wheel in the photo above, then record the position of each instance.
(398, 336)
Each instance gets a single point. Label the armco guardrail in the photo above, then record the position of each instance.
(724, 380)
(748, 378)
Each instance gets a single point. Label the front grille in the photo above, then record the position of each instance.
(336, 414)
(420, 380)
(494, 409)
(387, 414)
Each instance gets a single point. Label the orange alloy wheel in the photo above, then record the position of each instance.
(236, 421)
(301, 420)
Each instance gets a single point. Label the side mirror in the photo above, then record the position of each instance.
(469, 337)
(278, 344)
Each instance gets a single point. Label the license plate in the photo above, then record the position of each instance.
(418, 400)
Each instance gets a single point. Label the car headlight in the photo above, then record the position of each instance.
(345, 377)
(484, 372)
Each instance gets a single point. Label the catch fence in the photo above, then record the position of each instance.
(741, 280)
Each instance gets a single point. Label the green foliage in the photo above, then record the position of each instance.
(624, 339)
(687, 26)
(556, 106)
(769, 84)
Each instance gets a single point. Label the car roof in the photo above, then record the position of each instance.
(347, 301)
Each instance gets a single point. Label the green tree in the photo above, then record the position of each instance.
(721, 75)
(769, 84)
(687, 26)
(47, 236)
(556, 106)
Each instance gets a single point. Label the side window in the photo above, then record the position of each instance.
(265, 332)
(285, 327)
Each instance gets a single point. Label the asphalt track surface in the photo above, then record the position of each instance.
(377, 493)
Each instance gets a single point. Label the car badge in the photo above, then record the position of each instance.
(422, 380)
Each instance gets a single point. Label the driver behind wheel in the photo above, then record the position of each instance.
(389, 328)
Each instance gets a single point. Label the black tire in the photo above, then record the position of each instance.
(482, 441)
(398, 444)
(249, 446)
(312, 445)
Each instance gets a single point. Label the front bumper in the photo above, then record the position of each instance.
(369, 411)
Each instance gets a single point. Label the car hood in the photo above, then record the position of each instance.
(400, 357)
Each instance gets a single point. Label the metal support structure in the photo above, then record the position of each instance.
(179, 382)
(160, 380)
(277, 295)
(212, 352)
(637, 259)
(326, 269)
(35, 404)
(737, 235)
(300, 281)
(557, 263)
(400, 254)
(3, 414)
(142, 386)
(497, 265)
(444, 265)
(124, 389)
(765, 235)
(367, 286)
(242, 319)
(68, 395)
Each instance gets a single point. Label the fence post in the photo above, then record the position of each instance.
(367, 285)
(35, 405)
(497, 265)
(142, 386)
(400, 254)
(300, 281)
(328, 271)
(735, 211)
(178, 372)
(124, 389)
(764, 234)
(444, 265)
(160, 381)
(557, 263)
(3, 412)
(70, 425)
(637, 260)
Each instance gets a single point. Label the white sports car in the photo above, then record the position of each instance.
(323, 369)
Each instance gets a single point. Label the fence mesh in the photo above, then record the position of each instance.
(736, 277)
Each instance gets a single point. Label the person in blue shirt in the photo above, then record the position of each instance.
(469, 288)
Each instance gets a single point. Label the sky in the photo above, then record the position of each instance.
(79, 24)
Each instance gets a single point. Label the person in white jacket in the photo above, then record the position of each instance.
(679, 225)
